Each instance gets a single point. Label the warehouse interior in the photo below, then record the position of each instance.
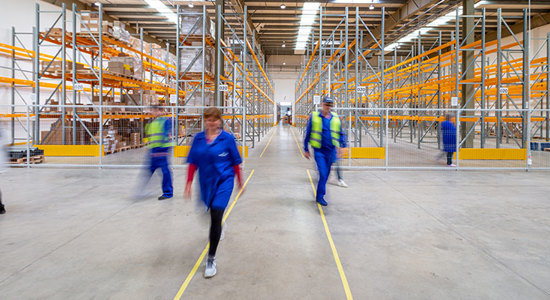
(80, 81)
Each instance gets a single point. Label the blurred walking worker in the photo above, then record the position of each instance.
(448, 130)
(3, 159)
(324, 134)
(158, 135)
(214, 153)
(339, 176)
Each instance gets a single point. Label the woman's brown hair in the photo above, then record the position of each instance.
(213, 112)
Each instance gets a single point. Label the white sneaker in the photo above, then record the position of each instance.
(210, 269)
(341, 183)
(451, 165)
(222, 236)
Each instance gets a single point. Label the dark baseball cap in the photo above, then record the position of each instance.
(328, 100)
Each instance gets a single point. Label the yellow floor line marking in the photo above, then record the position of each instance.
(267, 145)
(297, 144)
(332, 246)
(203, 254)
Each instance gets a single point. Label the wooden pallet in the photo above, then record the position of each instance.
(36, 159)
(89, 34)
(196, 38)
(125, 148)
(120, 75)
(196, 75)
(112, 112)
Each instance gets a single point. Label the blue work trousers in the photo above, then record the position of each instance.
(324, 160)
(160, 160)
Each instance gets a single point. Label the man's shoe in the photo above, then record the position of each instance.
(2, 210)
(341, 183)
(164, 197)
(210, 269)
(322, 202)
(451, 165)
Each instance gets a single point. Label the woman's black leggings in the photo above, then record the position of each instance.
(450, 158)
(216, 216)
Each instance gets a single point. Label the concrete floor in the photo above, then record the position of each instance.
(78, 234)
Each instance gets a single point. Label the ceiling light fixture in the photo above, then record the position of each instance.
(190, 4)
(97, 3)
(430, 26)
(371, 7)
(284, 44)
(163, 9)
(283, 6)
(309, 13)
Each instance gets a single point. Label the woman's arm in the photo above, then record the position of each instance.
(237, 170)
(190, 174)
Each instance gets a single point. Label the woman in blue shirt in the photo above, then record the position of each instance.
(214, 153)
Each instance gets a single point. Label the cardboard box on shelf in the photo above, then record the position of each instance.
(83, 108)
(159, 53)
(122, 65)
(135, 139)
(106, 28)
(149, 97)
(192, 25)
(119, 24)
(55, 32)
(135, 43)
(116, 67)
(56, 66)
(121, 34)
(89, 21)
(107, 100)
(52, 108)
(192, 61)
(196, 100)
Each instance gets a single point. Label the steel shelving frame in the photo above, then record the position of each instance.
(413, 89)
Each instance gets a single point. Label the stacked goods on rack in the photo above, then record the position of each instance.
(106, 99)
(192, 25)
(126, 66)
(196, 100)
(149, 97)
(136, 44)
(122, 66)
(172, 59)
(55, 68)
(54, 136)
(154, 50)
(234, 126)
(191, 60)
(120, 33)
(120, 135)
(135, 139)
(89, 21)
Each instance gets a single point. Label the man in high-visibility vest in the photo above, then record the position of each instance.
(324, 134)
(158, 135)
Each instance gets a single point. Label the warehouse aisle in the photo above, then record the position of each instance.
(418, 235)
(275, 244)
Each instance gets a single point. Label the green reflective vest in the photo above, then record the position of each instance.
(317, 130)
(155, 134)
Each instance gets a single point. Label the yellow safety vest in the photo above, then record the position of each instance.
(155, 134)
(317, 130)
